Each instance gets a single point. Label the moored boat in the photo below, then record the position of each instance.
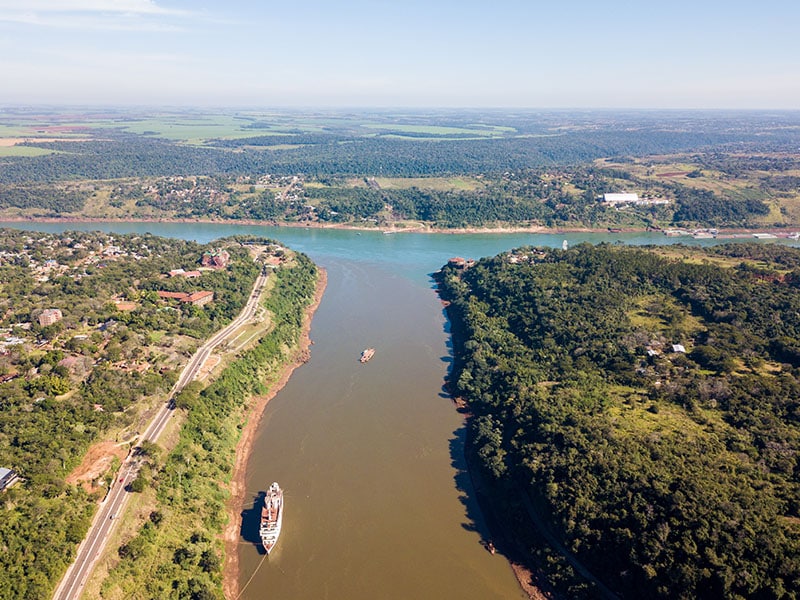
(366, 354)
(271, 517)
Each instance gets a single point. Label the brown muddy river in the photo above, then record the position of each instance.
(369, 455)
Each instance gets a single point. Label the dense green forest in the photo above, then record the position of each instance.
(126, 155)
(646, 403)
(66, 385)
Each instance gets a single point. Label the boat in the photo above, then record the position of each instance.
(366, 354)
(271, 517)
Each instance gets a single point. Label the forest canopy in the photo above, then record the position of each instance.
(648, 400)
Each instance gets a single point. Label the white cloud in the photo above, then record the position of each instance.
(139, 7)
(91, 15)
(128, 22)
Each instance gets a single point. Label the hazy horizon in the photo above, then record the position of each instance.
(444, 54)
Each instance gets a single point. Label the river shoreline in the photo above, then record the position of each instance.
(230, 583)
(724, 233)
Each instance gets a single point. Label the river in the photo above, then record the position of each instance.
(370, 455)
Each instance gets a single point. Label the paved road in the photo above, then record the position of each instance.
(78, 572)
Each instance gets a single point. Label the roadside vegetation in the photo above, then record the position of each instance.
(642, 406)
(179, 553)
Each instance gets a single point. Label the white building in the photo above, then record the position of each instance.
(620, 198)
(7, 478)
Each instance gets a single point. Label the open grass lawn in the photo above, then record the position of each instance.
(14, 130)
(430, 183)
(23, 151)
(435, 130)
(192, 130)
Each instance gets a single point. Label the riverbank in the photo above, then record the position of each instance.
(415, 227)
(243, 448)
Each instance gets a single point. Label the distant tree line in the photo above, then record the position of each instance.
(121, 155)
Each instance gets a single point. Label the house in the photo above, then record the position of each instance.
(460, 263)
(216, 260)
(50, 316)
(679, 348)
(197, 298)
(7, 478)
(172, 295)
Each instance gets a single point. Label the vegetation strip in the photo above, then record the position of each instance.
(181, 541)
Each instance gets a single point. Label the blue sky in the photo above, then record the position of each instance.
(412, 53)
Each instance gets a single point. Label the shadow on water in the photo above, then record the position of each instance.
(448, 359)
(251, 520)
(473, 493)
(469, 496)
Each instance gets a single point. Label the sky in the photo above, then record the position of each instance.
(403, 53)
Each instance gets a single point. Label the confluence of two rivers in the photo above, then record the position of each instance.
(370, 456)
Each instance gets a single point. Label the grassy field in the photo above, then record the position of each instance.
(186, 127)
(23, 151)
(190, 130)
(434, 130)
(430, 183)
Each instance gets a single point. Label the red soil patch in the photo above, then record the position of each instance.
(97, 461)
(64, 129)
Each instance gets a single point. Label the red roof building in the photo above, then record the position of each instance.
(197, 298)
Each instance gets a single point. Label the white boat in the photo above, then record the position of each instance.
(271, 517)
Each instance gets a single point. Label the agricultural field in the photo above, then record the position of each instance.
(446, 169)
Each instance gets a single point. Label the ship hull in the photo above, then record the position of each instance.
(271, 517)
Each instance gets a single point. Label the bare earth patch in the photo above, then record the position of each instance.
(97, 461)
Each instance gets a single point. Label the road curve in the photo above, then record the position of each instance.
(71, 585)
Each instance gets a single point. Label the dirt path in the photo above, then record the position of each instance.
(230, 583)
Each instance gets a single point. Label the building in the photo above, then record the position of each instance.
(7, 478)
(216, 260)
(461, 263)
(620, 198)
(184, 274)
(197, 298)
(50, 316)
